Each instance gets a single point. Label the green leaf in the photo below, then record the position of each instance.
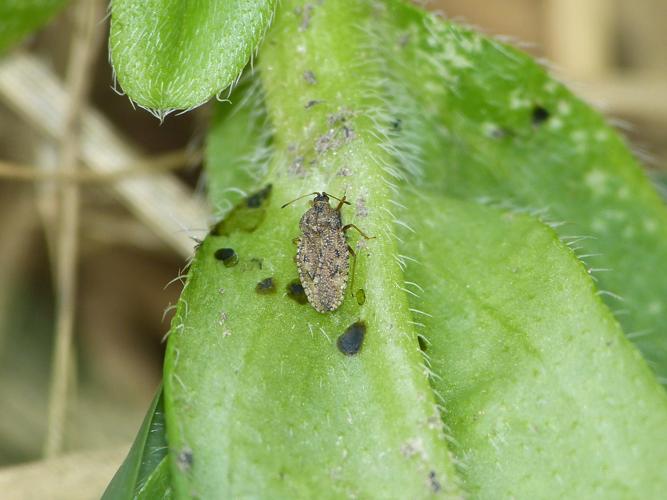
(22, 17)
(494, 127)
(544, 396)
(541, 393)
(158, 484)
(238, 149)
(170, 54)
(145, 472)
(257, 391)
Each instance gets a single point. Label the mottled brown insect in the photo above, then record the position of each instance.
(323, 254)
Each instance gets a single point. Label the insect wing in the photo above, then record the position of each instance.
(309, 256)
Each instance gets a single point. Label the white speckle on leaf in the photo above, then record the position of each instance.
(434, 422)
(578, 136)
(564, 108)
(599, 226)
(517, 101)
(336, 473)
(455, 58)
(472, 44)
(222, 318)
(615, 215)
(601, 135)
(360, 206)
(650, 225)
(596, 180)
(628, 232)
(490, 129)
(655, 307)
(555, 123)
(412, 447)
(623, 193)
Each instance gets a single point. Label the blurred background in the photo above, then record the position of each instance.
(117, 288)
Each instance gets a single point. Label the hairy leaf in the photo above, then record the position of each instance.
(544, 396)
(145, 472)
(171, 54)
(238, 149)
(256, 385)
(482, 121)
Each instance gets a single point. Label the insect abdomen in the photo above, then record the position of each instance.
(323, 263)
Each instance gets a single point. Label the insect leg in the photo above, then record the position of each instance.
(348, 226)
(341, 202)
(354, 267)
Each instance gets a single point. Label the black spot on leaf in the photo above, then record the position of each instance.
(185, 459)
(266, 286)
(256, 199)
(500, 133)
(296, 292)
(350, 342)
(310, 78)
(246, 216)
(433, 481)
(539, 115)
(227, 255)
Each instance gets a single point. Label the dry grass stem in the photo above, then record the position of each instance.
(149, 166)
(19, 223)
(163, 203)
(86, 38)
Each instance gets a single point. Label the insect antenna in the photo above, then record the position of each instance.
(297, 199)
